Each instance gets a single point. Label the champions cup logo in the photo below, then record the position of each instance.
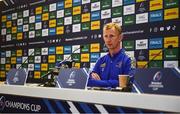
(71, 80)
(156, 83)
(157, 76)
(2, 103)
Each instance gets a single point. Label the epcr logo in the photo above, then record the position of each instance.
(157, 76)
(2, 103)
(72, 75)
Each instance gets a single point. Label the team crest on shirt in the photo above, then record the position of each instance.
(119, 64)
(103, 65)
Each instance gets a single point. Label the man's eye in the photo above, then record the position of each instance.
(111, 36)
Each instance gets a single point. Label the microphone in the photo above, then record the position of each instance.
(25, 60)
(169, 47)
(65, 61)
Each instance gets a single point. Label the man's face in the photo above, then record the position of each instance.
(112, 38)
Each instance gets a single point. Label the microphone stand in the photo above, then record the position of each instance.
(25, 60)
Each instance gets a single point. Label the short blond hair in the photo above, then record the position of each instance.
(113, 25)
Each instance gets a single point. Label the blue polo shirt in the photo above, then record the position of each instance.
(108, 68)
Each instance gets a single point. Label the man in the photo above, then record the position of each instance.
(107, 68)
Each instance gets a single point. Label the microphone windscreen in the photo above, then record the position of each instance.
(170, 46)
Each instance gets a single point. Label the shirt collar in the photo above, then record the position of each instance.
(118, 53)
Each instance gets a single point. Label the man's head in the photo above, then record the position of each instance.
(112, 36)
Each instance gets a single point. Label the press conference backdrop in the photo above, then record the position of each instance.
(52, 29)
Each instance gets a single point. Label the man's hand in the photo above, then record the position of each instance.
(95, 76)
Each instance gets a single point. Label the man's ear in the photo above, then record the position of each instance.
(120, 37)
